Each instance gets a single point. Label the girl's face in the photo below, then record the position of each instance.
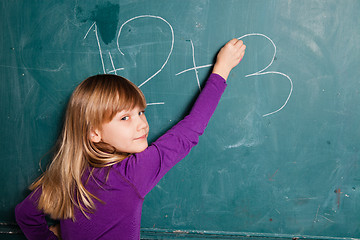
(127, 131)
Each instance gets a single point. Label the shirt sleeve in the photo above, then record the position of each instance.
(144, 170)
(31, 220)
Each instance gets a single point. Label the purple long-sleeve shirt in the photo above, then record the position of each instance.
(123, 188)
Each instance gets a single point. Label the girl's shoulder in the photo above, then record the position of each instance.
(136, 160)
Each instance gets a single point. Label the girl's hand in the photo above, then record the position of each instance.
(228, 57)
(56, 230)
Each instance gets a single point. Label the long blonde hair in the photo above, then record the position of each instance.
(95, 101)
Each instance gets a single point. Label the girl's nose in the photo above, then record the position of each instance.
(142, 122)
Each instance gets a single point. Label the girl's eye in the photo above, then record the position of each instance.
(141, 113)
(125, 118)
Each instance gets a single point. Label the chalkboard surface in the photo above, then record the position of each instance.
(280, 157)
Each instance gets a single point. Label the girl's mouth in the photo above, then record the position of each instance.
(142, 137)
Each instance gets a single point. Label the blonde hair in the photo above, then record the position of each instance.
(95, 101)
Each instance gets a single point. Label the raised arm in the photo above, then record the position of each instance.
(153, 163)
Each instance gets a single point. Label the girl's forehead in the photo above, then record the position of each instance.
(134, 109)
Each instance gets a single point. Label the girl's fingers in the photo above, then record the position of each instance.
(233, 41)
(239, 43)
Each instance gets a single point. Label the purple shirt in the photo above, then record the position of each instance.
(128, 182)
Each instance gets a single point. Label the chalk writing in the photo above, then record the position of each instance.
(171, 48)
(98, 43)
(194, 68)
(261, 72)
(193, 56)
(112, 64)
(111, 59)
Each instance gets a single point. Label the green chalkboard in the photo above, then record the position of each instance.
(279, 159)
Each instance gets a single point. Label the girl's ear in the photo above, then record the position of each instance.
(95, 135)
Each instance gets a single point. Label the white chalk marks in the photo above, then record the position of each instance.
(98, 43)
(115, 70)
(194, 68)
(262, 71)
(171, 48)
(112, 64)
(258, 73)
(196, 72)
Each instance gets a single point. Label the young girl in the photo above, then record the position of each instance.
(103, 167)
